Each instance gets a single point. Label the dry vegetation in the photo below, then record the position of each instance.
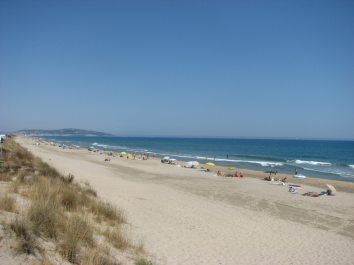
(61, 212)
(8, 203)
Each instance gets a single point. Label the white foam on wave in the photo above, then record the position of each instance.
(100, 145)
(332, 171)
(352, 166)
(119, 147)
(315, 163)
(262, 163)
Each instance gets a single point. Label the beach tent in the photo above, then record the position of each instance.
(123, 153)
(210, 164)
(192, 164)
(165, 159)
(172, 161)
(130, 156)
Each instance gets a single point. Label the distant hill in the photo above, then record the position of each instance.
(62, 132)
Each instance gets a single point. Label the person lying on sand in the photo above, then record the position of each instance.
(267, 178)
(328, 192)
(312, 194)
(220, 173)
(238, 174)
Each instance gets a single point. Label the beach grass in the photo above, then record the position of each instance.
(26, 243)
(76, 233)
(143, 262)
(8, 203)
(60, 211)
(116, 238)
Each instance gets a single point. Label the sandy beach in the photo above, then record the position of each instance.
(185, 216)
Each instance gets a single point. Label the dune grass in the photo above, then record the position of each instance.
(45, 218)
(77, 232)
(98, 255)
(26, 242)
(8, 204)
(107, 211)
(61, 211)
(143, 262)
(116, 238)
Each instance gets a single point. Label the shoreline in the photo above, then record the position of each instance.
(345, 186)
(330, 169)
(186, 216)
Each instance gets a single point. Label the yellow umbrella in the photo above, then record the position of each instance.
(210, 164)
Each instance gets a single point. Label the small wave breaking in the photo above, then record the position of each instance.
(262, 163)
(332, 171)
(119, 147)
(314, 163)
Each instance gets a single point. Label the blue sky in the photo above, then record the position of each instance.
(179, 68)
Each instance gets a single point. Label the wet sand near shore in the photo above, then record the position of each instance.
(186, 216)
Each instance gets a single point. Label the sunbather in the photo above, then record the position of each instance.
(220, 173)
(267, 178)
(312, 194)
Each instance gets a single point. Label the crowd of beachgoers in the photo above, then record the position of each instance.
(220, 171)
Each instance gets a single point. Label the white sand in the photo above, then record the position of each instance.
(187, 217)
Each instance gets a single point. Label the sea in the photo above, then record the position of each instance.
(312, 158)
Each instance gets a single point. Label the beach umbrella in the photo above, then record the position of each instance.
(123, 153)
(331, 188)
(166, 158)
(210, 164)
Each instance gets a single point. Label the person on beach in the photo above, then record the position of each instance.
(267, 178)
(295, 171)
(220, 173)
(238, 175)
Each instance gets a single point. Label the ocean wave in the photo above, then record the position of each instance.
(258, 157)
(100, 145)
(262, 163)
(119, 147)
(332, 171)
(352, 166)
(315, 163)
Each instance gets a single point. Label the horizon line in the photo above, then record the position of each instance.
(195, 137)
